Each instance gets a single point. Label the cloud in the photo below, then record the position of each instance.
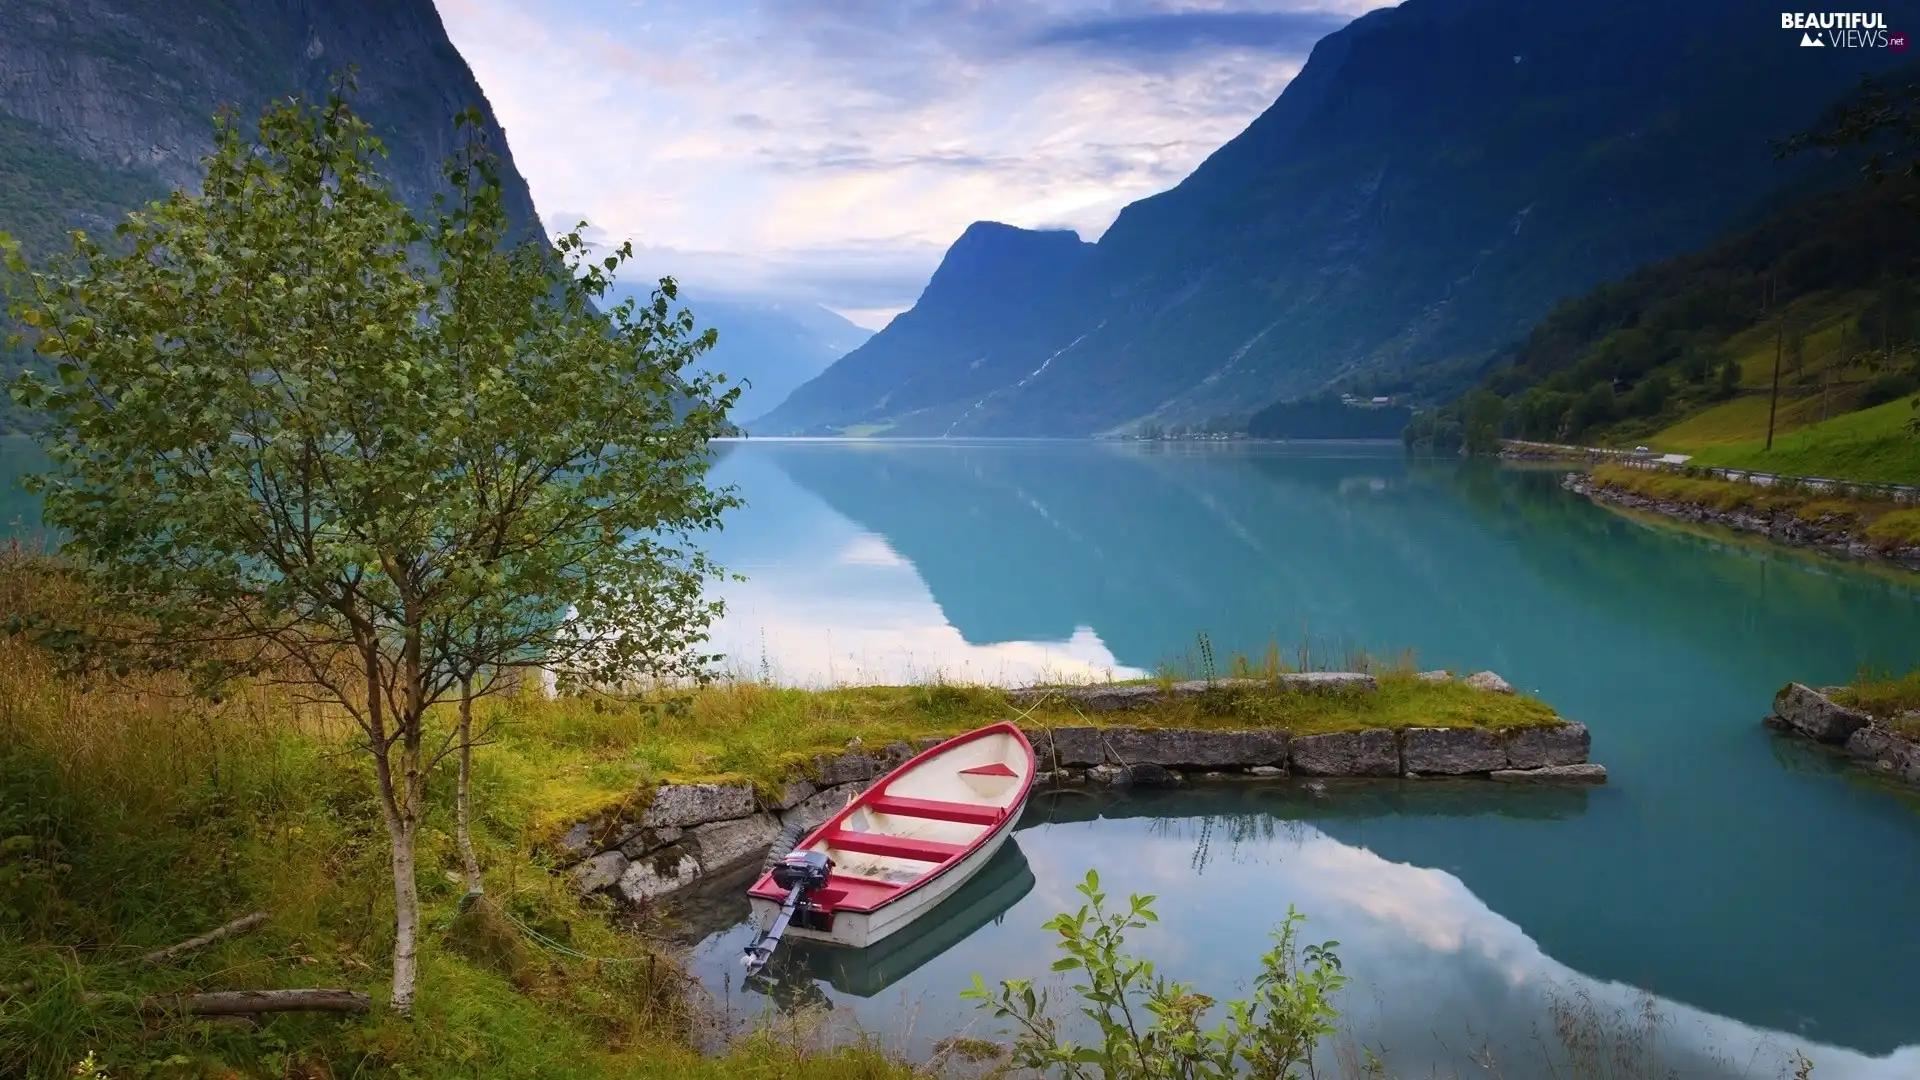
(1189, 31)
(830, 150)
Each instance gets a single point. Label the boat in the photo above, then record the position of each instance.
(907, 842)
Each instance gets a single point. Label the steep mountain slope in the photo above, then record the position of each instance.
(1440, 174)
(984, 321)
(769, 348)
(106, 104)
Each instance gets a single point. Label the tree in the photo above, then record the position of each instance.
(1729, 379)
(291, 425)
(1485, 412)
(1652, 394)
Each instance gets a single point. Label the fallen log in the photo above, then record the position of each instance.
(238, 926)
(252, 1002)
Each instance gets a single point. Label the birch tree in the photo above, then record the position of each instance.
(281, 433)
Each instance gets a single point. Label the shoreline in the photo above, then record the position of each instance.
(692, 835)
(1830, 535)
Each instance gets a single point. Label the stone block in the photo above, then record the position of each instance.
(697, 804)
(1543, 747)
(1451, 751)
(1346, 753)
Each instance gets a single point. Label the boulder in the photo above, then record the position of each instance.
(928, 742)
(599, 873)
(792, 794)
(1435, 676)
(820, 806)
(1488, 681)
(1554, 774)
(697, 804)
(1267, 772)
(1112, 775)
(892, 756)
(1194, 749)
(1887, 751)
(663, 873)
(725, 844)
(1451, 751)
(1346, 753)
(1543, 747)
(846, 768)
(1815, 715)
(1148, 775)
(641, 841)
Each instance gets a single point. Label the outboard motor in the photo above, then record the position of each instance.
(800, 873)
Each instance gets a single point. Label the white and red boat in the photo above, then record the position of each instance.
(901, 846)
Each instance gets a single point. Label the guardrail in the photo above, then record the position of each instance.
(1675, 463)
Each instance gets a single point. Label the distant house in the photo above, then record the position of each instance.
(1383, 401)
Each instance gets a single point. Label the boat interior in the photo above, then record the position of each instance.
(923, 818)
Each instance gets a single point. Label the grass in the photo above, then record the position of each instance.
(1873, 446)
(1883, 524)
(1892, 700)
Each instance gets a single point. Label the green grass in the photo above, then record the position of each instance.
(1892, 700)
(1874, 446)
(1884, 524)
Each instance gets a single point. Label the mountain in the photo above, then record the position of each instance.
(768, 347)
(108, 104)
(982, 326)
(1437, 177)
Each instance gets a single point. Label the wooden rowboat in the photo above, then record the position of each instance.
(910, 839)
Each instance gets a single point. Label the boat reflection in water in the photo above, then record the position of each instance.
(793, 977)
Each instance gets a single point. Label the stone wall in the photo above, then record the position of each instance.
(689, 833)
(1805, 711)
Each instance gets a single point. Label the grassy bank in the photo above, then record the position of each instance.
(1884, 524)
(1874, 445)
(1892, 700)
(134, 816)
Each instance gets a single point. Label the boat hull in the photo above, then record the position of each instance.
(859, 929)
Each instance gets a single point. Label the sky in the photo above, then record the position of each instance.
(829, 151)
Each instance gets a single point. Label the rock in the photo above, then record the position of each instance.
(1148, 775)
(1488, 681)
(600, 872)
(1815, 715)
(1267, 771)
(1886, 751)
(1346, 753)
(725, 844)
(641, 841)
(1046, 778)
(892, 756)
(1216, 776)
(1316, 789)
(1451, 751)
(1078, 747)
(697, 804)
(1543, 747)
(665, 872)
(820, 806)
(1112, 775)
(579, 840)
(1435, 676)
(845, 768)
(1194, 749)
(928, 742)
(1554, 774)
(792, 794)
(1329, 680)
(1072, 776)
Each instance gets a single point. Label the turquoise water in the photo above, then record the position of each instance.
(1764, 896)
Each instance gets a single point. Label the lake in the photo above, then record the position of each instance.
(1764, 896)
(1759, 892)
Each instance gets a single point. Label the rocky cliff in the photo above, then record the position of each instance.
(106, 104)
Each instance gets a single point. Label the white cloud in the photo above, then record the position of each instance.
(831, 149)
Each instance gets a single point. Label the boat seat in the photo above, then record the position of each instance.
(893, 847)
(998, 768)
(937, 810)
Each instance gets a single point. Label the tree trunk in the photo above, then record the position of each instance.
(463, 805)
(406, 912)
